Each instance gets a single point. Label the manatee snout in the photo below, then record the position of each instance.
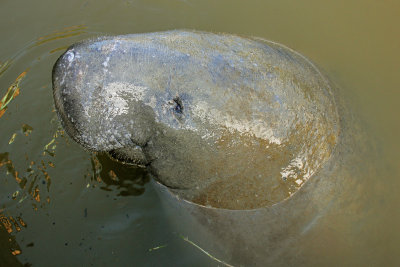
(98, 115)
(221, 120)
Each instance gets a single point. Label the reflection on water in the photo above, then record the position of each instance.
(127, 180)
(65, 33)
(11, 224)
(8, 246)
(36, 175)
(4, 66)
(31, 171)
(87, 209)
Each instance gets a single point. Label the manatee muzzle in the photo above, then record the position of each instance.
(100, 115)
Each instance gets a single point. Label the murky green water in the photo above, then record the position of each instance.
(60, 205)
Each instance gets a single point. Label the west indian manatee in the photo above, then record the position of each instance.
(249, 143)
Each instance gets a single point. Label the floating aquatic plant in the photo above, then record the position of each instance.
(12, 92)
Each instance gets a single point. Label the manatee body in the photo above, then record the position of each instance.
(255, 156)
(223, 121)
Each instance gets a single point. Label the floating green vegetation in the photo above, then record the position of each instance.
(12, 138)
(50, 147)
(12, 92)
(26, 130)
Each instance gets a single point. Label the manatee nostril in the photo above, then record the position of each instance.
(178, 105)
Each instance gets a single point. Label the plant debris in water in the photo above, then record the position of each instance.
(155, 248)
(26, 129)
(12, 138)
(12, 92)
(205, 252)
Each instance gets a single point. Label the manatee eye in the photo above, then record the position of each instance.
(178, 105)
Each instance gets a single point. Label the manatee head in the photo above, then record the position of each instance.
(223, 121)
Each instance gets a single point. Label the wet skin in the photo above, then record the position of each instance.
(222, 120)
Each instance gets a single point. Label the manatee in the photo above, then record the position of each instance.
(221, 120)
(253, 151)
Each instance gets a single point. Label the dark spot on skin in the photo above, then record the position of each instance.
(178, 105)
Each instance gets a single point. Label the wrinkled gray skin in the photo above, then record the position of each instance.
(246, 138)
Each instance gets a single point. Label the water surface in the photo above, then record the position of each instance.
(61, 205)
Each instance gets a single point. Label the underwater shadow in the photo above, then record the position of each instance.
(129, 180)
